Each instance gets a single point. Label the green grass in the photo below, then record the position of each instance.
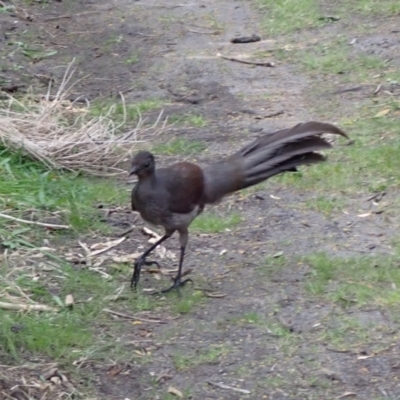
(179, 146)
(52, 335)
(117, 111)
(26, 185)
(69, 334)
(211, 222)
(192, 120)
(212, 355)
(325, 204)
(186, 303)
(251, 317)
(288, 16)
(338, 58)
(370, 7)
(133, 59)
(357, 280)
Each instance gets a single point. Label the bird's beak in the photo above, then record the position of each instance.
(134, 170)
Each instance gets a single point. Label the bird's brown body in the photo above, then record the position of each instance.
(173, 197)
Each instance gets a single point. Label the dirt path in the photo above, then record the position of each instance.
(268, 337)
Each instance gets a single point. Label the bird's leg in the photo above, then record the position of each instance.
(142, 261)
(183, 238)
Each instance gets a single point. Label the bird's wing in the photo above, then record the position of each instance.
(184, 183)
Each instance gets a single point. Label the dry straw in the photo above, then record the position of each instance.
(63, 135)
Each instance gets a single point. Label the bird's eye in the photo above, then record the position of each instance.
(147, 165)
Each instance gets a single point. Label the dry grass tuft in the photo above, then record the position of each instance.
(35, 381)
(63, 135)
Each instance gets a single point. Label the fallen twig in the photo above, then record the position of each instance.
(227, 387)
(25, 307)
(260, 64)
(200, 32)
(347, 394)
(274, 114)
(24, 221)
(74, 15)
(158, 35)
(125, 232)
(215, 295)
(122, 315)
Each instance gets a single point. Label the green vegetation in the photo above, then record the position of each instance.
(287, 16)
(119, 111)
(179, 146)
(211, 355)
(192, 120)
(358, 280)
(26, 185)
(211, 222)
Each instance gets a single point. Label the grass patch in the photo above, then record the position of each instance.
(61, 336)
(179, 146)
(68, 334)
(54, 336)
(211, 355)
(212, 222)
(26, 185)
(131, 111)
(133, 59)
(325, 204)
(287, 16)
(370, 7)
(192, 120)
(273, 264)
(358, 280)
(251, 317)
(338, 57)
(185, 304)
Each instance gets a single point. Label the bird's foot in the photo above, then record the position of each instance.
(138, 267)
(178, 283)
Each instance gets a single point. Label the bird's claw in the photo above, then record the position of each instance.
(175, 286)
(138, 267)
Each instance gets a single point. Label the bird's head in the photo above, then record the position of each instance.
(142, 164)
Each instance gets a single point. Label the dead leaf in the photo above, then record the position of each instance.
(115, 370)
(382, 113)
(151, 233)
(102, 247)
(364, 215)
(161, 251)
(364, 357)
(126, 258)
(175, 392)
(69, 301)
(56, 380)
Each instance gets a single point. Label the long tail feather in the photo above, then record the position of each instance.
(269, 155)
